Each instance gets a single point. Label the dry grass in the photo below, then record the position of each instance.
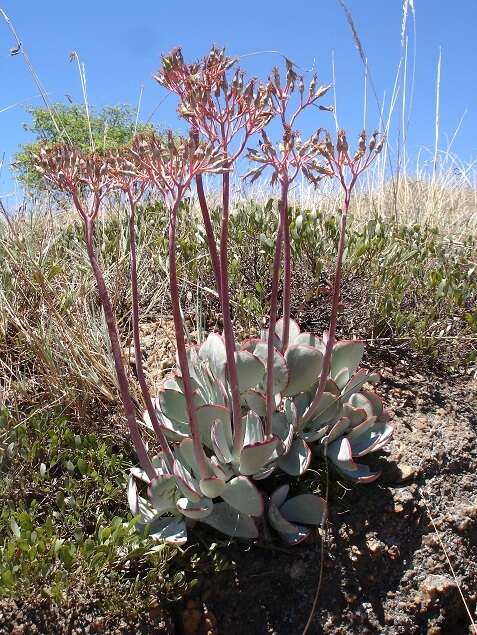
(446, 200)
(53, 341)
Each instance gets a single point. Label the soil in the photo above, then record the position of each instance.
(385, 569)
(385, 564)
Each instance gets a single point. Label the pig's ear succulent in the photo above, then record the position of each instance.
(363, 428)
(231, 415)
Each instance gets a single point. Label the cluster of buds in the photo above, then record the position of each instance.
(169, 162)
(215, 101)
(280, 93)
(60, 165)
(338, 155)
(292, 156)
(70, 170)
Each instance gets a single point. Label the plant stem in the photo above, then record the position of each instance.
(181, 347)
(126, 398)
(286, 264)
(334, 312)
(273, 318)
(168, 456)
(228, 329)
(209, 231)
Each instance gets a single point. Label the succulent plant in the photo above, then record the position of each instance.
(349, 422)
(232, 415)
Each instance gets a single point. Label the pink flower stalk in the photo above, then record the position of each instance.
(346, 169)
(124, 174)
(286, 161)
(88, 180)
(226, 111)
(170, 166)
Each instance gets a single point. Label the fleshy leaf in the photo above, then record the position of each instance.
(174, 430)
(293, 330)
(169, 529)
(280, 370)
(213, 350)
(356, 382)
(359, 400)
(264, 472)
(278, 522)
(173, 404)
(197, 510)
(328, 412)
(279, 496)
(133, 496)
(310, 340)
(231, 522)
(241, 494)
(206, 415)
(308, 509)
(256, 402)
(297, 459)
(252, 429)
(186, 483)
(290, 533)
(346, 356)
(304, 367)
(355, 415)
(221, 435)
(339, 429)
(255, 457)
(250, 370)
(212, 486)
(376, 403)
(162, 493)
(140, 474)
(340, 454)
(369, 436)
(282, 429)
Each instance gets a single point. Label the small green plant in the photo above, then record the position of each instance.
(63, 518)
(233, 415)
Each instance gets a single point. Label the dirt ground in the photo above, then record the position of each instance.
(385, 570)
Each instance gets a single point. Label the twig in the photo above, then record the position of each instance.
(324, 529)
(474, 626)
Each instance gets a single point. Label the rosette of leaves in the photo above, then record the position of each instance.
(348, 423)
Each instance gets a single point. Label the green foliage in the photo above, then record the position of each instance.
(111, 127)
(64, 522)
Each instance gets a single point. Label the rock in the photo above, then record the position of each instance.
(376, 547)
(437, 586)
(399, 472)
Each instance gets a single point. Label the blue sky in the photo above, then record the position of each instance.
(120, 44)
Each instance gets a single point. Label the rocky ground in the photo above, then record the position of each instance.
(385, 567)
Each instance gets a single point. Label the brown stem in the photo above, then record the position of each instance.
(334, 312)
(287, 264)
(181, 347)
(209, 231)
(123, 383)
(168, 456)
(228, 328)
(273, 321)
